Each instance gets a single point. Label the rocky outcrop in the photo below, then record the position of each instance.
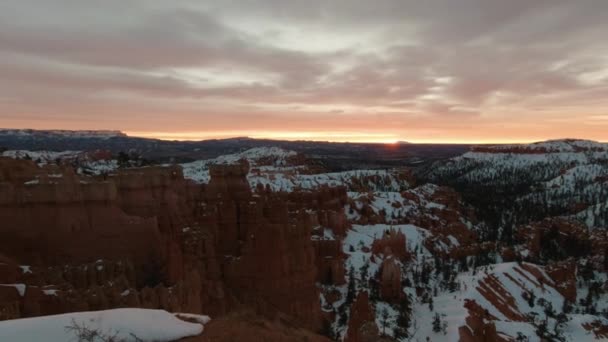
(479, 325)
(393, 243)
(247, 326)
(148, 238)
(390, 280)
(329, 260)
(564, 276)
(362, 325)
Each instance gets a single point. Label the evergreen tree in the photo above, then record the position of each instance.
(403, 319)
(541, 329)
(384, 320)
(342, 316)
(374, 287)
(364, 273)
(351, 290)
(531, 299)
(123, 159)
(437, 326)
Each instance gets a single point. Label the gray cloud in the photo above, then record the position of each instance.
(454, 59)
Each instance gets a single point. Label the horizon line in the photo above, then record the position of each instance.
(382, 139)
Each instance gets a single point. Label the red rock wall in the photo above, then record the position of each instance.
(216, 247)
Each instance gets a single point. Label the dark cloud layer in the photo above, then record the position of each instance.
(430, 67)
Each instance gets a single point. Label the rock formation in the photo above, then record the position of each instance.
(148, 238)
(362, 325)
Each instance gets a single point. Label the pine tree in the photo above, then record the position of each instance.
(403, 319)
(351, 291)
(384, 320)
(342, 316)
(374, 287)
(541, 329)
(437, 326)
(531, 299)
(364, 273)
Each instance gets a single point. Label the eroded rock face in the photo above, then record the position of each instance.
(148, 238)
(479, 325)
(362, 325)
(247, 326)
(393, 242)
(329, 260)
(390, 280)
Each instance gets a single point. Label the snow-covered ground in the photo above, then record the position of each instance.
(563, 145)
(41, 157)
(147, 325)
(272, 166)
(85, 165)
(512, 282)
(553, 176)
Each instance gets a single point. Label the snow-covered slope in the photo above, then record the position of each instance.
(511, 299)
(549, 146)
(124, 324)
(517, 298)
(553, 178)
(283, 170)
(84, 163)
(42, 157)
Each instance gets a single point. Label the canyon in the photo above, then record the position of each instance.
(273, 246)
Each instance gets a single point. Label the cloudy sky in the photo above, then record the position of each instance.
(356, 70)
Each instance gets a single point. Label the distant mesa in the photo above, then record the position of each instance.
(64, 133)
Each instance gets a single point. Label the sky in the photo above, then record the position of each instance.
(340, 70)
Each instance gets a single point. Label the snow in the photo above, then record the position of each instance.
(44, 157)
(514, 280)
(271, 166)
(197, 318)
(148, 325)
(552, 146)
(327, 235)
(553, 175)
(86, 165)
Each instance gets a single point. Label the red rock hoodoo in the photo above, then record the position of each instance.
(148, 238)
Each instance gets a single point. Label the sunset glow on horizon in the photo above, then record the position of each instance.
(339, 137)
(437, 71)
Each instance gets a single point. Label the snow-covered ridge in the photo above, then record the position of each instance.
(517, 296)
(103, 134)
(274, 156)
(280, 170)
(561, 174)
(42, 157)
(146, 325)
(87, 163)
(256, 154)
(549, 146)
